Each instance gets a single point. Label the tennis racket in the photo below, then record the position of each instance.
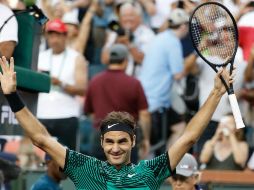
(214, 35)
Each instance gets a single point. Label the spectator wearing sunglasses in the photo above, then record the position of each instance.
(186, 175)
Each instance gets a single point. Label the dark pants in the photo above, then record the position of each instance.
(64, 129)
(160, 132)
(207, 135)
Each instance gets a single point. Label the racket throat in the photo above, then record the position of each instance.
(230, 91)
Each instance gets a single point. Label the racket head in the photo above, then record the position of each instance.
(214, 34)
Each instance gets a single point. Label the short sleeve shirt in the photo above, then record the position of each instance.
(10, 30)
(90, 173)
(163, 59)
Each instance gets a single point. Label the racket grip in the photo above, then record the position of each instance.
(236, 111)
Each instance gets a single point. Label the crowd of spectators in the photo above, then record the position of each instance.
(148, 56)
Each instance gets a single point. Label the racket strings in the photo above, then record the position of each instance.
(213, 33)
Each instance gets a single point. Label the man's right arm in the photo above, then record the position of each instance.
(199, 122)
(40, 137)
(32, 127)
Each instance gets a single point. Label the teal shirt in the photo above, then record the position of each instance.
(88, 173)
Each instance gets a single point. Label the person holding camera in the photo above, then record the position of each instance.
(131, 32)
(227, 150)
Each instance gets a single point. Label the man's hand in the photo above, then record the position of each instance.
(123, 40)
(229, 79)
(8, 76)
(55, 81)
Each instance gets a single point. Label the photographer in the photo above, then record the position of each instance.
(131, 32)
(227, 150)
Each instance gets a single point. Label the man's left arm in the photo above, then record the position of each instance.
(145, 123)
(137, 54)
(144, 120)
(81, 78)
(199, 122)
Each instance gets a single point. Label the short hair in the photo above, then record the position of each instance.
(133, 6)
(119, 117)
(118, 53)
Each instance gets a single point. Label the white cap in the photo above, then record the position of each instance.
(178, 16)
(71, 17)
(187, 166)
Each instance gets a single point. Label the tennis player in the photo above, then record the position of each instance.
(117, 140)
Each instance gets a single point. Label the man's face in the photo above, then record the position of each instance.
(117, 147)
(129, 19)
(56, 41)
(180, 182)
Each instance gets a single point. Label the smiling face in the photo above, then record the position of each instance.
(117, 147)
(129, 17)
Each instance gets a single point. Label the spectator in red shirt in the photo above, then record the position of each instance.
(113, 90)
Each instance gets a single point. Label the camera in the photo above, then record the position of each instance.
(35, 12)
(180, 4)
(38, 14)
(116, 27)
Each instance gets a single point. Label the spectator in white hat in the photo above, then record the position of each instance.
(186, 175)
